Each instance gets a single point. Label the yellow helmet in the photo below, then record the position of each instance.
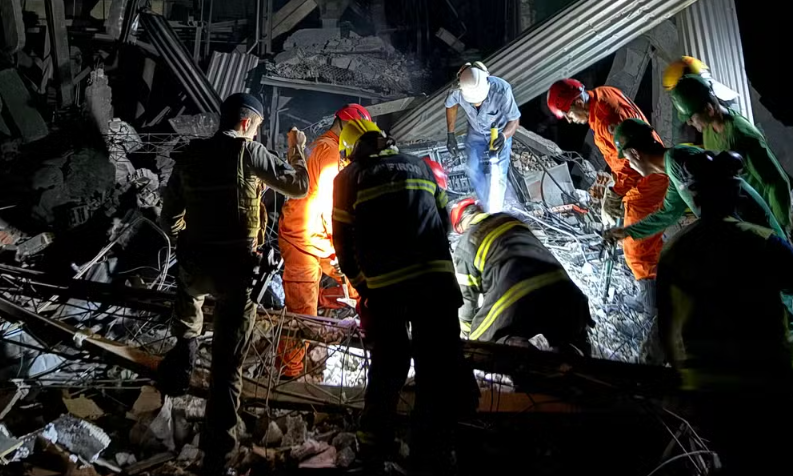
(685, 65)
(352, 131)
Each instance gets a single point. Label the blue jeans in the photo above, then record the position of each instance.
(476, 146)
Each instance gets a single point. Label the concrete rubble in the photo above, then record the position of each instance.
(325, 56)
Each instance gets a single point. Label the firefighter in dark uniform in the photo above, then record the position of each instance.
(525, 290)
(212, 202)
(390, 230)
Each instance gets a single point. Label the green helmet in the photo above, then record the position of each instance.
(633, 133)
(691, 95)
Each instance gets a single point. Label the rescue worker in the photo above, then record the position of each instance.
(604, 108)
(689, 65)
(526, 291)
(487, 102)
(724, 326)
(305, 238)
(636, 141)
(212, 202)
(724, 129)
(405, 276)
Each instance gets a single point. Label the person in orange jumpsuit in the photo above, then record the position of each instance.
(306, 241)
(604, 108)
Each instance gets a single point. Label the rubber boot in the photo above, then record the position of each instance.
(175, 370)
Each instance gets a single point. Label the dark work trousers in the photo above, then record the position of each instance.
(445, 386)
(226, 274)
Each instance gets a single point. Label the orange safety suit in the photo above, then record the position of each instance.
(306, 243)
(642, 196)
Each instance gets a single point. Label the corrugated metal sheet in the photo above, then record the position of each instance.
(574, 39)
(228, 72)
(180, 62)
(709, 31)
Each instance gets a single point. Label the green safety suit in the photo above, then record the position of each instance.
(724, 328)
(679, 198)
(762, 169)
(525, 290)
(212, 203)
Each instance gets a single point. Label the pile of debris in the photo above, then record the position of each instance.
(326, 56)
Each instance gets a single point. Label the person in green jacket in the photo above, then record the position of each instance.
(723, 325)
(724, 129)
(635, 141)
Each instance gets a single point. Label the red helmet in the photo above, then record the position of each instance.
(562, 95)
(438, 172)
(353, 111)
(457, 212)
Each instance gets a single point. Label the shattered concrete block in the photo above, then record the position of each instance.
(18, 103)
(125, 459)
(9, 235)
(308, 448)
(290, 57)
(345, 440)
(194, 407)
(78, 436)
(189, 454)
(345, 457)
(198, 125)
(296, 431)
(312, 38)
(343, 62)
(35, 245)
(326, 459)
(82, 407)
(274, 435)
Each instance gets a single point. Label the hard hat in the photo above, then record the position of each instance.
(438, 172)
(474, 84)
(458, 211)
(353, 131)
(691, 95)
(237, 101)
(562, 95)
(353, 111)
(677, 69)
(633, 133)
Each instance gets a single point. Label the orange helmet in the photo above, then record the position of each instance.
(438, 172)
(562, 95)
(458, 211)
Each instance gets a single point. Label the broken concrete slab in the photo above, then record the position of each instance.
(296, 431)
(309, 448)
(19, 106)
(447, 37)
(148, 401)
(82, 407)
(198, 125)
(151, 463)
(98, 100)
(345, 457)
(8, 445)
(325, 459)
(78, 436)
(273, 436)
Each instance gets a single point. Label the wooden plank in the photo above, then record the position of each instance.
(59, 39)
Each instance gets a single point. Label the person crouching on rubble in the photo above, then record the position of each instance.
(525, 290)
(723, 324)
(212, 202)
(390, 230)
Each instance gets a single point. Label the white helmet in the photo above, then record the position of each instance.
(473, 82)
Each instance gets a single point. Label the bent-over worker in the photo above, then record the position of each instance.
(525, 290)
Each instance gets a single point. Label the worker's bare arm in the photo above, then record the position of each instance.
(451, 118)
(511, 128)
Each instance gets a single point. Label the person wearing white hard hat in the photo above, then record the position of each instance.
(493, 118)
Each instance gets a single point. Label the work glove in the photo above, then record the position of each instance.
(612, 208)
(613, 235)
(296, 140)
(498, 143)
(598, 188)
(451, 144)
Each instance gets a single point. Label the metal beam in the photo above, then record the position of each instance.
(574, 39)
(323, 88)
(288, 17)
(59, 40)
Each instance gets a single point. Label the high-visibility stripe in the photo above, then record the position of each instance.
(484, 247)
(515, 293)
(358, 279)
(467, 280)
(442, 199)
(409, 184)
(409, 272)
(342, 216)
(465, 326)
